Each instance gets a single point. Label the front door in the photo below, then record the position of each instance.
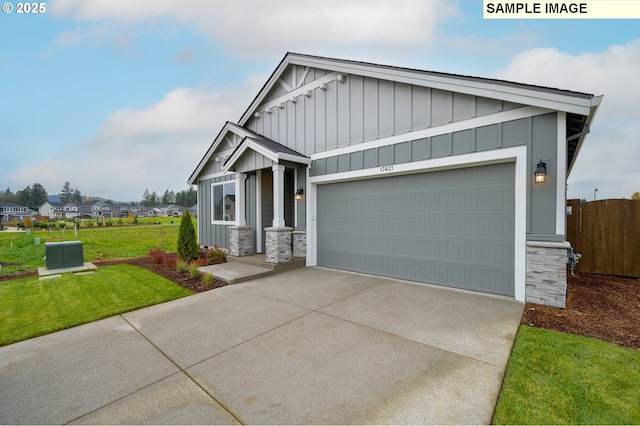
(266, 201)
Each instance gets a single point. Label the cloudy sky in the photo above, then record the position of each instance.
(117, 96)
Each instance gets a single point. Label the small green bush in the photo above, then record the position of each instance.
(181, 266)
(207, 279)
(216, 255)
(193, 270)
(188, 248)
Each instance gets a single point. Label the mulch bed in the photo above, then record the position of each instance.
(598, 306)
(169, 272)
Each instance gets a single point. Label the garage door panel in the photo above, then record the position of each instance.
(453, 227)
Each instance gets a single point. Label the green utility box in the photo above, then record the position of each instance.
(73, 254)
(54, 257)
(66, 254)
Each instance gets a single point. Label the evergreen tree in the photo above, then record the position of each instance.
(76, 197)
(187, 242)
(65, 193)
(38, 196)
(8, 196)
(145, 198)
(153, 199)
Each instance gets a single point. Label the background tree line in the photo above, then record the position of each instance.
(186, 198)
(33, 196)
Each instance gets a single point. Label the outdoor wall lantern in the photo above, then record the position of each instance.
(299, 194)
(541, 172)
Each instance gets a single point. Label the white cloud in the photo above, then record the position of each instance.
(156, 147)
(613, 73)
(249, 28)
(610, 156)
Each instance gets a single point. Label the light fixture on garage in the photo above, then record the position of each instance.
(541, 172)
(299, 194)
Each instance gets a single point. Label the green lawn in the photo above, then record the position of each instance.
(558, 378)
(19, 252)
(31, 307)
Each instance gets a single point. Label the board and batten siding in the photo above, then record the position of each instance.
(208, 233)
(537, 133)
(362, 109)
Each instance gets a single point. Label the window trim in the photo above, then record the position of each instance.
(222, 222)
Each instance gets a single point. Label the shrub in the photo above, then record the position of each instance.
(157, 255)
(207, 279)
(181, 266)
(170, 261)
(187, 243)
(28, 223)
(89, 223)
(200, 262)
(62, 225)
(119, 222)
(109, 222)
(193, 270)
(216, 255)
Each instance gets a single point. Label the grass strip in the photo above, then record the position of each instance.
(559, 378)
(30, 307)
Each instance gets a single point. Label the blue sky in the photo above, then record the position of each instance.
(119, 96)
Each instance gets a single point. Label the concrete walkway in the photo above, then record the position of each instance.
(309, 345)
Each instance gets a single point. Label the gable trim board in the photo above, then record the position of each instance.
(333, 126)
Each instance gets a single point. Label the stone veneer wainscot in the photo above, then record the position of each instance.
(547, 273)
(278, 244)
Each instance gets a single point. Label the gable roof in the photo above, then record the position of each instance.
(269, 148)
(529, 94)
(580, 108)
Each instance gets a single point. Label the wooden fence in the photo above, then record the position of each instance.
(607, 235)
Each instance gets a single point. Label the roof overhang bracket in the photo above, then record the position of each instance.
(584, 132)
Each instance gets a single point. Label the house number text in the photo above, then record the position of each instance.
(385, 169)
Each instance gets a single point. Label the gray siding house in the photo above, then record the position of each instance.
(418, 175)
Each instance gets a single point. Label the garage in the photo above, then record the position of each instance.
(453, 228)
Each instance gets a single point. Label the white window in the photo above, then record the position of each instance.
(223, 194)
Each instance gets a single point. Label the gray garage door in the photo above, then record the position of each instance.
(453, 228)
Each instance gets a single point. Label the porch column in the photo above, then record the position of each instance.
(240, 200)
(278, 195)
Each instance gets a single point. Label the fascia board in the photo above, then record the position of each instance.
(228, 127)
(273, 79)
(249, 144)
(523, 95)
(595, 105)
(293, 158)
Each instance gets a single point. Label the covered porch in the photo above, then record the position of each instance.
(269, 200)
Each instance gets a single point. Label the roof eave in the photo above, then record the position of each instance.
(595, 105)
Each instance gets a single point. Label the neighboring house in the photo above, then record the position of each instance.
(193, 210)
(58, 210)
(155, 212)
(417, 175)
(171, 210)
(95, 209)
(10, 211)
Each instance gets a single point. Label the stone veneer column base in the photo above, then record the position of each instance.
(299, 243)
(241, 241)
(546, 282)
(278, 244)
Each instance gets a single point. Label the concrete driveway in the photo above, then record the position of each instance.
(310, 345)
